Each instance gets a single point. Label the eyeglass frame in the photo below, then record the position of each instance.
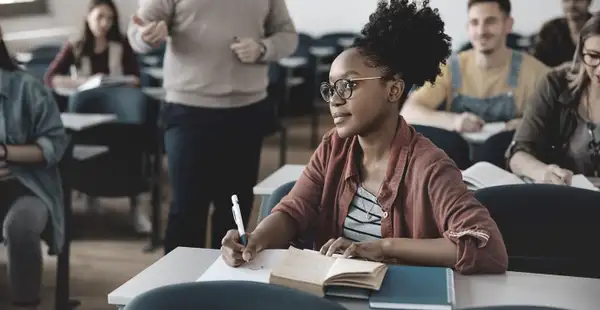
(595, 56)
(351, 82)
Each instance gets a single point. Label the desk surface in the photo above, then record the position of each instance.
(80, 121)
(158, 93)
(285, 174)
(187, 264)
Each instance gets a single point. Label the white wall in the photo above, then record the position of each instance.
(312, 16)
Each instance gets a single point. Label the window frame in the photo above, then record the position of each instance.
(35, 7)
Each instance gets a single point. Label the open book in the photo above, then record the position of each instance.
(108, 80)
(312, 272)
(484, 174)
(304, 270)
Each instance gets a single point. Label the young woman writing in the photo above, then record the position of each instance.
(100, 50)
(375, 188)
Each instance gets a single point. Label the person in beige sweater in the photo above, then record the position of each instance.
(216, 110)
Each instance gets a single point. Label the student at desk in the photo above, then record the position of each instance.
(560, 133)
(32, 142)
(489, 83)
(375, 188)
(100, 50)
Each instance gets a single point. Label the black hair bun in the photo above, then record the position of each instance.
(406, 38)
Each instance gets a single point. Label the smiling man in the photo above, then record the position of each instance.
(489, 83)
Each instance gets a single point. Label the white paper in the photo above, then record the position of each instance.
(484, 174)
(257, 270)
(488, 130)
(580, 181)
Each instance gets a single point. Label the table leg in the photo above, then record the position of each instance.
(62, 300)
(155, 237)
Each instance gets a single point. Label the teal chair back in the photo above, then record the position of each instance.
(227, 295)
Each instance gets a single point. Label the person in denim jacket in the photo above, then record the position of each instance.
(32, 143)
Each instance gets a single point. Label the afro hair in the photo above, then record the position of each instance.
(405, 38)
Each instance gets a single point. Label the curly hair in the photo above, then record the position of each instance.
(405, 39)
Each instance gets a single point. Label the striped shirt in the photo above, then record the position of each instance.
(363, 222)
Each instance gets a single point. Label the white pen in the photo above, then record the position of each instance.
(237, 217)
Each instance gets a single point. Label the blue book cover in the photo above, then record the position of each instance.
(411, 287)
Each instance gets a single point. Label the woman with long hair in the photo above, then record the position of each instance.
(101, 49)
(560, 133)
(32, 142)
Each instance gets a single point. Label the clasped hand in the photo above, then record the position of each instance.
(235, 254)
(369, 250)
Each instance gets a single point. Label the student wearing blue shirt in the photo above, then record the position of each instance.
(32, 142)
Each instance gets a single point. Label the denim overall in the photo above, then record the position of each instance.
(498, 108)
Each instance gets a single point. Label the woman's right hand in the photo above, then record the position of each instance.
(234, 252)
(554, 174)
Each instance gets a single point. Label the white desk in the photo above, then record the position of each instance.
(186, 265)
(81, 121)
(158, 93)
(83, 152)
(155, 72)
(285, 174)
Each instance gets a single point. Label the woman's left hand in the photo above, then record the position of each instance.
(370, 250)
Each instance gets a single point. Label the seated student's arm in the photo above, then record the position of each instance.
(58, 74)
(533, 135)
(421, 106)
(282, 38)
(48, 133)
(130, 63)
(299, 210)
(471, 241)
(149, 11)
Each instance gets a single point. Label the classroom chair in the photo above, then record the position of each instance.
(547, 229)
(132, 164)
(269, 204)
(450, 142)
(227, 295)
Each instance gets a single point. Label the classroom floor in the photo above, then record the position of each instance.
(107, 253)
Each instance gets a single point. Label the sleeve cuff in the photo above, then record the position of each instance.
(47, 150)
(482, 237)
(269, 54)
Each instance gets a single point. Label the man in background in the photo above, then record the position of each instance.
(489, 83)
(556, 42)
(216, 111)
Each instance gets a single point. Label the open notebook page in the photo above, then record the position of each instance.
(488, 130)
(484, 174)
(304, 266)
(257, 270)
(352, 266)
(580, 181)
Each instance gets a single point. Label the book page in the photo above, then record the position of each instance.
(304, 266)
(355, 272)
(257, 270)
(484, 174)
(580, 181)
(488, 130)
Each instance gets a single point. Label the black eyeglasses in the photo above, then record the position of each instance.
(342, 87)
(592, 60)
